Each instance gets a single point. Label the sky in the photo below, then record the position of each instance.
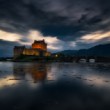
(64, 24)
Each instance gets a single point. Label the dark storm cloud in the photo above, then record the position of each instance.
(61, 18)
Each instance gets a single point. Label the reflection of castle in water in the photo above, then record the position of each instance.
(37, 72)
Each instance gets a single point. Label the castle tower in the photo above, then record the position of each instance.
(40, 45)
(18, 50)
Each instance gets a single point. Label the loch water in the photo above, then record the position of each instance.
(54, 86)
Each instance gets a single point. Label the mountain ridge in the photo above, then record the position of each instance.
(98, 50)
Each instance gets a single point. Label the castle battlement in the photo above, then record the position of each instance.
(39, 45)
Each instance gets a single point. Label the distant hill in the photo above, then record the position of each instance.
(99, 50)
(68, 52)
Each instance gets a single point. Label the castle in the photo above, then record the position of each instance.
(38, 48)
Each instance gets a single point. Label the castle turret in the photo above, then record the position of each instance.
(41, 45)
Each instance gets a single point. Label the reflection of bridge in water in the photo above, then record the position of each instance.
(38, 72)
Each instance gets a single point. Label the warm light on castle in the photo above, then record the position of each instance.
(38, 48)
(39, 45)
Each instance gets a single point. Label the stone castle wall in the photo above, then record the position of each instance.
(31, 52)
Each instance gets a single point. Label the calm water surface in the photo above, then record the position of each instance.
(54, 86)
